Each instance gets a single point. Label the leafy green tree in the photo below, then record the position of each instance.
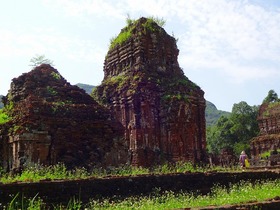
(40, 59)
(271, 97)
(245, 125)
(219, 135)
(235, 131)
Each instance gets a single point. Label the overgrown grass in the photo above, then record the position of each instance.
(22, 203)
(267, 154)
(36, 173)
(242, 192)
(118, 80)
(126, 33)
(238, 193)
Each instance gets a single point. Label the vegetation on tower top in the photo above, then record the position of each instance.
(149, 24)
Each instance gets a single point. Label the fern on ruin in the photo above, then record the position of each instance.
(3, 117)
(121, 38)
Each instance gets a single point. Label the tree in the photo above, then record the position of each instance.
(271, 97)
(219, 135)
(245, 125)
(235, 131)
(40, 59)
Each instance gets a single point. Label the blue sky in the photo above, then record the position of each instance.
(230, 48)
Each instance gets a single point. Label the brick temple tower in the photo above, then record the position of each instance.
(269, 125)
(161, 110)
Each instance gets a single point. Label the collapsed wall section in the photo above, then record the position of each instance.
(54, 122)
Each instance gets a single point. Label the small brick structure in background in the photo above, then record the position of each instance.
(269, 125)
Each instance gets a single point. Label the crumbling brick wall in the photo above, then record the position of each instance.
(53, 121)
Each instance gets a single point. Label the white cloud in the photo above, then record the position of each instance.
(80, 8)
(236, 29)
(225, 35)
(235, 38)
(45, 41)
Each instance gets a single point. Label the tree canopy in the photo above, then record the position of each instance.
(40, 59)
(234, 131)
(212, 114)
(271, 97)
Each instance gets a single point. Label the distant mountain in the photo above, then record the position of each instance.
(212, 114)
(87, 88)
(1, 104)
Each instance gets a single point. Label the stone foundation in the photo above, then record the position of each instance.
(59, 191)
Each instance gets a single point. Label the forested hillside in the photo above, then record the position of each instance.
(212, 114)
(1, 104)
(87, 88)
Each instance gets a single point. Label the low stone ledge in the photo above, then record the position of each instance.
(61, 191)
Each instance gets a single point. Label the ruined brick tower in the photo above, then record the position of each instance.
(162, 111)
(269, 125)
(54, 122)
